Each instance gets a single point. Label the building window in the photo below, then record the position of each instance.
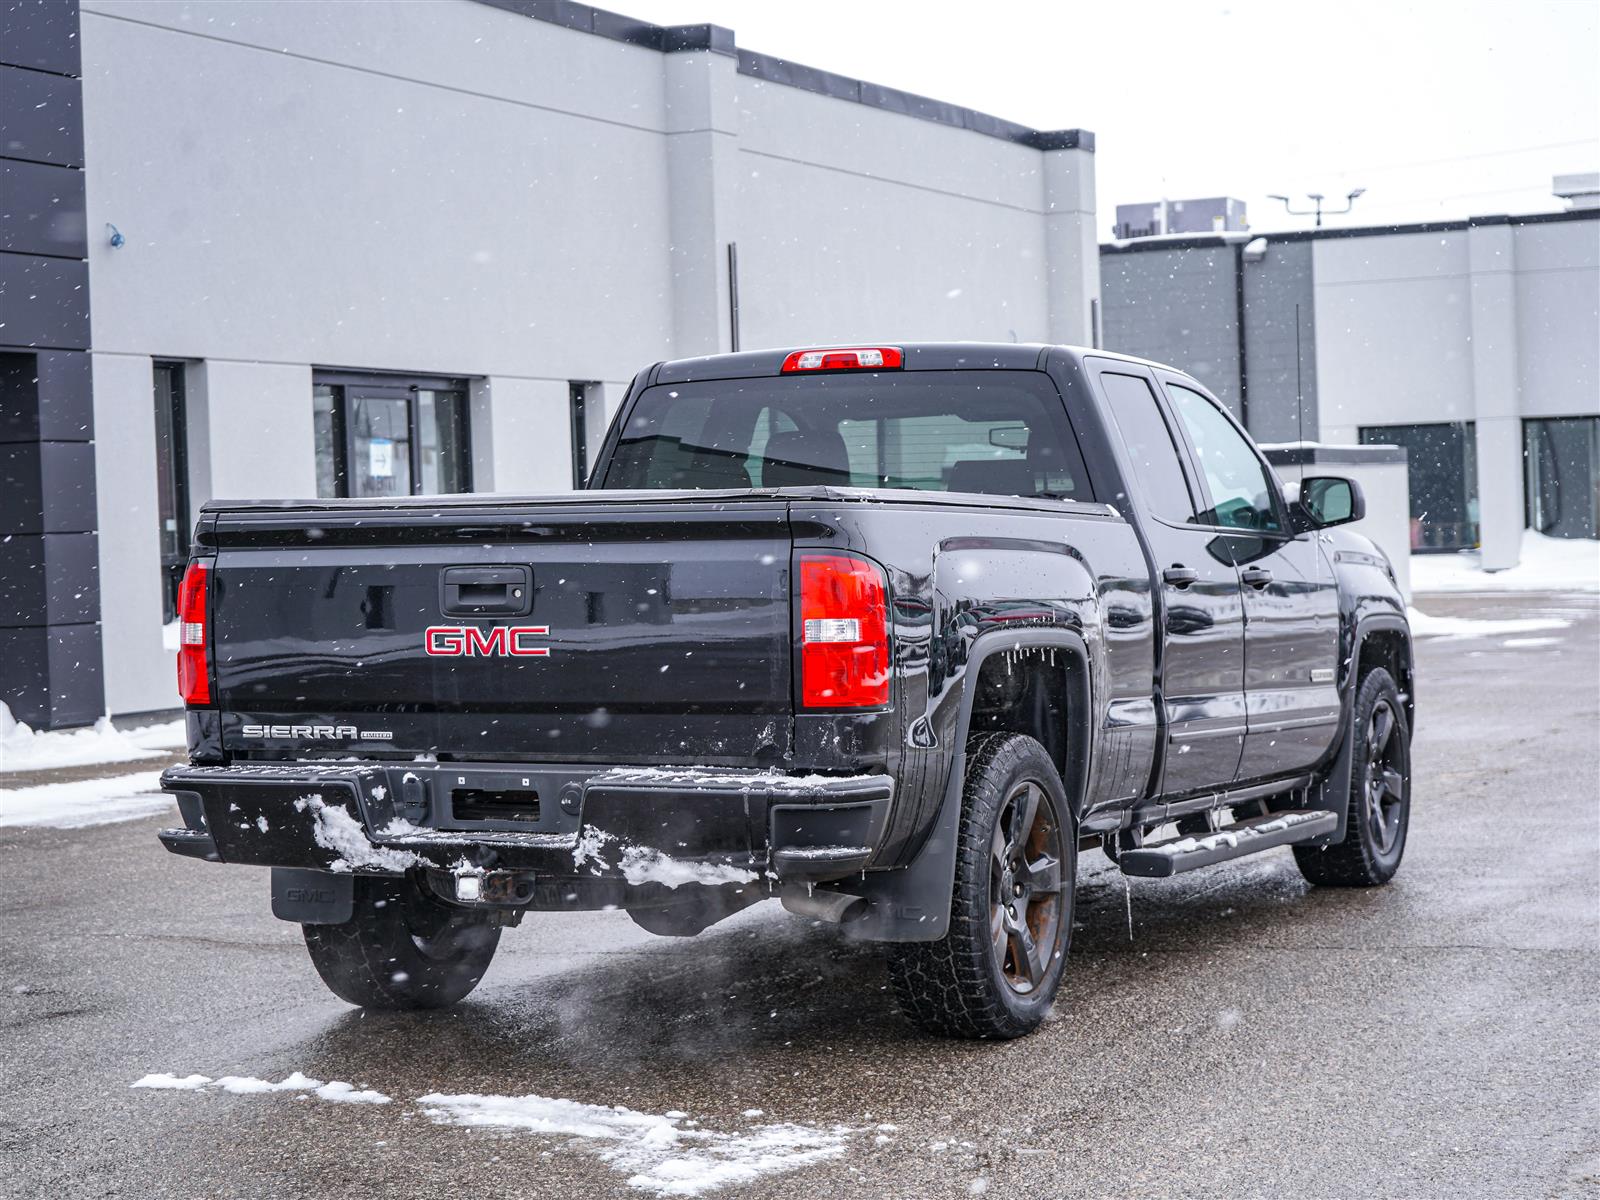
(388, 435)
(1562, 470)
(172, 482)
(1442, 464)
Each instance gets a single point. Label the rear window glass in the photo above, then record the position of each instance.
(996, 432)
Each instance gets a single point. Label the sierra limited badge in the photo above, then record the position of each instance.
(307, 733)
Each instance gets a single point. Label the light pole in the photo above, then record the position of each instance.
(1316, 198)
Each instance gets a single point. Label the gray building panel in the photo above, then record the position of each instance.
(63, 376)
(44, 302)
(40, 117)
(41, 210)
(47, 487)
(1277, 289)
(53, 674)
(41, 35)
(1178, 307)
(50, 579)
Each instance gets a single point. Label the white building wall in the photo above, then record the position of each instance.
(1491, 324)
(1393, 331)
(1558, 318)
(851, 230)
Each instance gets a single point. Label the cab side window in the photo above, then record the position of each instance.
(1241, 492)
(1151, 448)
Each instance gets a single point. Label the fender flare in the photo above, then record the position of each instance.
(912, 903)
(1332, 788)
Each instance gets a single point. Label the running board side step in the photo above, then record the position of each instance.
(1176, 855)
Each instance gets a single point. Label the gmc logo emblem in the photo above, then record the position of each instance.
(468, 641)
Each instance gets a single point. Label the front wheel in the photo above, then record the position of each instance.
(402, 948)
(996, 970)
(1378, 810)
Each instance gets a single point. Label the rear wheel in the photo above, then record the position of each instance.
(1379, 804)
(402, 948)
(996, 970)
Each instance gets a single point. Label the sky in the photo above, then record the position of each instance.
(1439, 110)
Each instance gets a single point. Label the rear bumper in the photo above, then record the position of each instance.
(590, 834)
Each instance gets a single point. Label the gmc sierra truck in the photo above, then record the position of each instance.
(889, 633)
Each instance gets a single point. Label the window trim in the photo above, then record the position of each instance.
(1180, 444)
(173, 565)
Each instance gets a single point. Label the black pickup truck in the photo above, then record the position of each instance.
(890, 633)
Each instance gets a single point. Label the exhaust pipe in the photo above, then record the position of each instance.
(834, 907)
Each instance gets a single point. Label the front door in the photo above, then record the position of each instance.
(1291, 604)
(1200, 611)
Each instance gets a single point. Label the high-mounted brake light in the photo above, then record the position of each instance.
(858, 358)
(844, 632)
(194, 673)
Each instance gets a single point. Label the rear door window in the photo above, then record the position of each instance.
(992, 432)
(1152, 451)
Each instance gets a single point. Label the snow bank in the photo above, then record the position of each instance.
(1422, 625)
(658, 1153)
(1548, 565)
(85, 802)
(335, 1091)
(21, 749)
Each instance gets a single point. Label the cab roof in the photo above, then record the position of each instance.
(919, 356)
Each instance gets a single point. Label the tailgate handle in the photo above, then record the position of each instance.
(476, 591)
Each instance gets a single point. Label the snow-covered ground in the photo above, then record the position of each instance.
(22, 749)
(1424, 625)
(84, 802)
(335, 1091)
(669, 1153)
(1548, 565)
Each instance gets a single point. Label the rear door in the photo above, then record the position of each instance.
(1201, 615)
(645, 631)
(1291, 602)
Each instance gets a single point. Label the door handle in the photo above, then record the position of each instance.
(1179, 576)
(1256, 577)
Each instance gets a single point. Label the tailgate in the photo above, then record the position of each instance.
(584, 629)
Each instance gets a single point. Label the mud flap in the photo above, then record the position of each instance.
(912, 904)
(312, 897)
(1331, 791)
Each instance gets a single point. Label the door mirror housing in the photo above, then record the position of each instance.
(1328, 500)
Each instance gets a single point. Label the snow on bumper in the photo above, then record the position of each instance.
(665, 827)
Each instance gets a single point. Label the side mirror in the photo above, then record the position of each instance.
(1328, 500)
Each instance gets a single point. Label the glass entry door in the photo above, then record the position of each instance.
(378, 426)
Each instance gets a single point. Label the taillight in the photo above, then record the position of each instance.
(844, 632)
(194, 675)
(858, 358)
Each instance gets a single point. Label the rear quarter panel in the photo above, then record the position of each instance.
(963, 572)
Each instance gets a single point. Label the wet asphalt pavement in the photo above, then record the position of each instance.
(1255, 1037)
